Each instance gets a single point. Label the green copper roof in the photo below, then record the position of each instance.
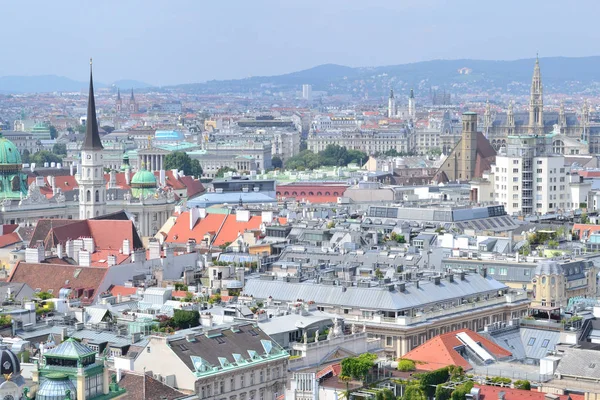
(9, 154)
(70, 348)
(143, 178)
(40, 128)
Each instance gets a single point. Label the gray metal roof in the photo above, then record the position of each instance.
(374, 298)
(580, 363)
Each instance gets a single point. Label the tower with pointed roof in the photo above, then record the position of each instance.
(119, 101)
(536, 101)
(391, 105)
(92, 187)
(133, 106)
(412, 111)
(510, 118)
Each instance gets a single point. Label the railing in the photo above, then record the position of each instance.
(447, 312)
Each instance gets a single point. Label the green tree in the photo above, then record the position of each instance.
(442, 393)
(45, 156)
(436, 151)
(406, 365)
(522, 384)
(358, 367)
(188, 297)
(181, 161)
(428, 381)
(25, 157)
(553, 244)
(461, 391)
(396, 237)
(223, 170)
(184, 319)
(44, 296)
(80, 128)
(59, 148)
(414, 392)
(53, 132)
(585, 219)
(276, 162)
(379, 274)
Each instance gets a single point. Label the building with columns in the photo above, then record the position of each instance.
(152, 158)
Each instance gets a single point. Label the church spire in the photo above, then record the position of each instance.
(536, 101)
(132, 98)
(118, 94)
(92, 136)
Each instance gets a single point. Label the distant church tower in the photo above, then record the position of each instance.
(412, 111)
(510, 119)
(585, 121)
(133, 106)
(119, 101)
(468, 145)
(562, 118)
(92, 187)
(391, 105)
(536, 101)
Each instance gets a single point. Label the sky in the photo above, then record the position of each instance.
(185, 41)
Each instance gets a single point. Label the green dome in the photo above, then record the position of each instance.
(145, 178)
(9, 154)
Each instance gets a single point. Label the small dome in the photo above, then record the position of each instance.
(9, 363)
(56, 386)
(9, 154)
(548, 267)
(143, 178)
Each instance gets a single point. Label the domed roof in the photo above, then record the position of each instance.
(143, 178)
(9, 363)
(9, 154)
(548, 267)
(56, 387)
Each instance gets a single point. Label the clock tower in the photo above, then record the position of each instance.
(92, 187)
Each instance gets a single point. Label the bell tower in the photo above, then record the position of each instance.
(92, 187)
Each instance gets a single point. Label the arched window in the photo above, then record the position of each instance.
(286, 193)
(311, 193)
(319, 193)
(278, 193)
(335, 193)
(294, 193)
(97, 196)
(88, 196)
(302, 193)
(327, 194)
(89, 172)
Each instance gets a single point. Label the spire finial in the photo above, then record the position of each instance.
(90, 63)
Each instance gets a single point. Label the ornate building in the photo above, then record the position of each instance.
(564, 125)
(133, 105)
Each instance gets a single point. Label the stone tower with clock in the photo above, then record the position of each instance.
(92, 186)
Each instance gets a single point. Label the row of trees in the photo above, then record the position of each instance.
(333, 155)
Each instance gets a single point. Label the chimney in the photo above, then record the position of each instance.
(53, 165)
(126, 247)
(46, 165)
(175, 173)
(267, 217)
(436, 280)
(112, 181)
(401, 287)
(64, 334)
(462, 275)
(85, 258)
(139, 255)
(242, 215)
(52, 182)
(34, 254)
(450, 278)
(417, 284)
(70, 169)
(127, 176)
(162, 179)
(194, 216)
(32, 166)
(59, 250)
(88, 244)
(69, 248)
(190, 246)
(154, 250)
(111, 260)
(202, 212)
(483, 272)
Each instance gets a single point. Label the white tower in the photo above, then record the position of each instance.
(391, 105)
(412, 112)
(92, 187)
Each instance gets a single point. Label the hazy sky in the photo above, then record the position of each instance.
(179, 41)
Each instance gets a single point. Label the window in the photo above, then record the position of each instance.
(389, 341)
(545, 343)
(531, 341)
(515, 205)
(526, 272)
(492, 271)
(515, 170)
(538, 180)
(241, 380)
(539, 170)
(503, 271)
(516, 162)
(539, 188)
(515, 188)
(516, 179)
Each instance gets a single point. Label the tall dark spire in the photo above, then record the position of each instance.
(92, 136)
(132, 98)
(118, 94)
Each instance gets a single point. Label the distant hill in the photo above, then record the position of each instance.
(557, 73)
(54, 83)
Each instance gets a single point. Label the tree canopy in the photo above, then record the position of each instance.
(184, 319)
(181, 161)
(223, 170)
(59, 148)
(276, 162)
(53, 132)
(44, 156)
(333, 155)
(358, 367)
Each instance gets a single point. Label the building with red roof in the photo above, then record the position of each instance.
(451, 348)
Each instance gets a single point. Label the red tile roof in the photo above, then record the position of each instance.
(585, 230)
(178, 293)
(56, 276)
(9, 239)
(439, 352)
(123, 290)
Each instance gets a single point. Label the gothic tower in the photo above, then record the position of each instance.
(119, 101)
(487, 118)
(585, 120)
(412, 112)
(536, 102)
(133, 106)
(391, 105)
(92, 187)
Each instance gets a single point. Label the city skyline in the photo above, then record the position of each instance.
(196, 42)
